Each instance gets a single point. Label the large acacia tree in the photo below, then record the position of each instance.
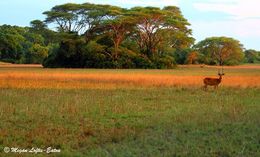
(80, 18)
(118, 27)
(153, 33)
(160, 28)
(66, 16)
(220, 50)
(152, 25)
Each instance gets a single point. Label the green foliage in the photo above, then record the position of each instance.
(37, 54)
(23, 44)
(11, 41)
(95, 55)
(220, 51)
(40, 28)
(181, 55)
(164, 62)
(252, 56)
(68, 54)
(159, 29)
(38, 25)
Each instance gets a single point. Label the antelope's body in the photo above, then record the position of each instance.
(212, 81)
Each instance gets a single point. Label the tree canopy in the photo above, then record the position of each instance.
(220, 50)
(23, 45)
(252, 56)
(105, 36)
(127, 36)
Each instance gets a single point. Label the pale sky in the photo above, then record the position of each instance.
(239, 19)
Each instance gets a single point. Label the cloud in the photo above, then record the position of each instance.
(237, 9)
(239, 28)
(239, 19)
(246, 31)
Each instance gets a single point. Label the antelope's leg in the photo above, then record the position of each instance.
(205, 87)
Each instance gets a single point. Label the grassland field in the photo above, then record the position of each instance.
(130, 113)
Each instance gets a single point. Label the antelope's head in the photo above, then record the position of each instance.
(220, 75)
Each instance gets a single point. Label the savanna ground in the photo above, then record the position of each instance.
(90, 112)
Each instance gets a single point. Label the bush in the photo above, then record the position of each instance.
(143, 62)
(166, 62)
(8, 60)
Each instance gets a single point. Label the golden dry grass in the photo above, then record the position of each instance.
(9, 65)
(112, 80)
(256, 66)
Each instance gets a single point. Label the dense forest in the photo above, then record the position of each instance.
(103, 36)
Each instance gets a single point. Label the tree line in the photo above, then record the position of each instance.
(26, 44)
(104, 36)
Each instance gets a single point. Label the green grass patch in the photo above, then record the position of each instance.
(133, 122)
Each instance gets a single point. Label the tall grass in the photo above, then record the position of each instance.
(184, 76)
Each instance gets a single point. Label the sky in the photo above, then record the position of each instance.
(239, 19)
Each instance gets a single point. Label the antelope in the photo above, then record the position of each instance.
(212, 81)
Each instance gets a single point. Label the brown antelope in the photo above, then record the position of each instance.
(212, 81)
